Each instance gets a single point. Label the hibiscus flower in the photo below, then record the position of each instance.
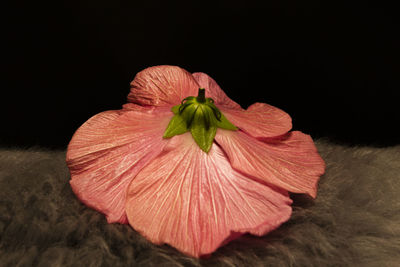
(185, 165)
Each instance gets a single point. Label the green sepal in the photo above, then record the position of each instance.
(225, 124)
(177, 125)
(203, 132)
(175, 109)
(201, 117)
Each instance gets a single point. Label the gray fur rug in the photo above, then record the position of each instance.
(355, 220)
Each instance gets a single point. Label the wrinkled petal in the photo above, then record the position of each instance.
(260, 120)
(107, 152)
(145, 109)
(291, 162)
(162, 86)
(214, 91)
(195, 201)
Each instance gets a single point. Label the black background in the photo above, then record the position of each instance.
(334, 67)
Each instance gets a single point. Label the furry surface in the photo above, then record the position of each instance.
(355, 220)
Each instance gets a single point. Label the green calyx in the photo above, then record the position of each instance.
(201, 117)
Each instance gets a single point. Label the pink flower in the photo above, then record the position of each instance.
(178, 191)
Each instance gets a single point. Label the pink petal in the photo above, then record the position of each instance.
(196, 202)
(260, 120)
(162, 86)
(291, 162)
(146, 109)
(107, 152)
(214, 91)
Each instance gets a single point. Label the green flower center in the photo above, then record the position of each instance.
(201, 117)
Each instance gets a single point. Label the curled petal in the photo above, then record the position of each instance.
(292, 163)
(107, 152)
(195, 201)
(214, 91)
(162, 86)
(260, 120)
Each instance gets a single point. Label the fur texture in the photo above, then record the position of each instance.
(355, 220)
